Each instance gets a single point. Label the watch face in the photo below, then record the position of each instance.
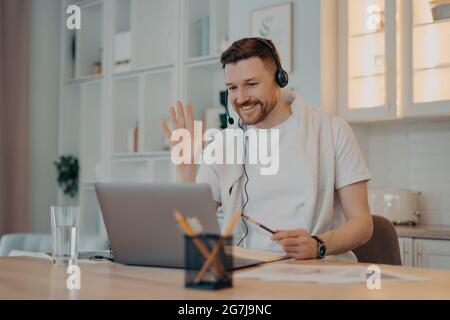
(322, 250)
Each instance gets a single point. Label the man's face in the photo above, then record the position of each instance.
(252, 89)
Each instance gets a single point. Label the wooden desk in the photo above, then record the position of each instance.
(31, 278)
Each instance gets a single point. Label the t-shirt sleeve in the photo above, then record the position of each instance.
(208, 174)
(350, 164)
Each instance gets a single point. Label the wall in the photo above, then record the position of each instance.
(305, 78)
(43, 122)
(414, 156)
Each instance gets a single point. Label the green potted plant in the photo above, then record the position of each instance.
(67, 168)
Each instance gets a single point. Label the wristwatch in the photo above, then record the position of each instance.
(321, 249)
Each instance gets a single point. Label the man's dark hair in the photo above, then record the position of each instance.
(248, 48)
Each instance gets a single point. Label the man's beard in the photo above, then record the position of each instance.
(258, 113)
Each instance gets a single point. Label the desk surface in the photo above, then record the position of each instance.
(31, 278)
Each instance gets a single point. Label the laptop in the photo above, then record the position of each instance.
(140, 223)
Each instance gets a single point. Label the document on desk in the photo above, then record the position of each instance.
(252, 254)
(322, 274)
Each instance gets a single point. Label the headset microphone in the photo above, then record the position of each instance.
(230, 119)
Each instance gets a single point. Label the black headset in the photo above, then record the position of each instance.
(281, 76)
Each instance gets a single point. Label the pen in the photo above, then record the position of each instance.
(258, 224)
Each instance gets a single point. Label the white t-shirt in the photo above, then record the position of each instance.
(275, 200)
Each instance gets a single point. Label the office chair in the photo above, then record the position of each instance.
(383, 247)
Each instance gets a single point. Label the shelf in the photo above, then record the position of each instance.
(88, 3)
(368, 76)
(146, 70)
(437, 67)
(361, 35)
(434, 23)
(200, 61)
(80, 80)
(141, 156)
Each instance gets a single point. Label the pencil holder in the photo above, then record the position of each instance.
(206, 264)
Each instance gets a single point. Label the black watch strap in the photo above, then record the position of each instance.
(321, 248)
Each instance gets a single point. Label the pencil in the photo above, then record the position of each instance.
(228, 232)
(259, 224)
(201, 247)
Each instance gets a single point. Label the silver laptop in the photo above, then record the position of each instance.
(141, 226)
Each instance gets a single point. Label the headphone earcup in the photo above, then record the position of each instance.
(282, 78)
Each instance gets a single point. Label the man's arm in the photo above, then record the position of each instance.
(356, 231)
(358, 227)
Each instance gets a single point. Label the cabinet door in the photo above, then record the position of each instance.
(406, 251)
(367, 60)
(432, 253)
(426, 58)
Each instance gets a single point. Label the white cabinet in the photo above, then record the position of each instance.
(367, 59)
(425, 253)
(432, 253)
(394, 60)
(426, 63)
(406, 251)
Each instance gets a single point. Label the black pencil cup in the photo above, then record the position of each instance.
(219, 273)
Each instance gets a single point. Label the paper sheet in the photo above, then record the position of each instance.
(266, 256)
(321, 274)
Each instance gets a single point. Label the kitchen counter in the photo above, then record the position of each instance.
(424, 231)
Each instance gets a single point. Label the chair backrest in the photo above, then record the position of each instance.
(383, 247)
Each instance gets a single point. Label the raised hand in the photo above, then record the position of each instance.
(184, 120)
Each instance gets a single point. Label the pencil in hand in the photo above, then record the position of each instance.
(259, 224)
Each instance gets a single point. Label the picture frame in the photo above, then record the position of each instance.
(274, 22)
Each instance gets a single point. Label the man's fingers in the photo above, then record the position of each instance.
(173, 117)
(290, 249)
(166, 129)
(288, 234)
(181, 117)
(190, 118)
(288, 242)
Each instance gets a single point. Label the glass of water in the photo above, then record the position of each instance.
(65, 225)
